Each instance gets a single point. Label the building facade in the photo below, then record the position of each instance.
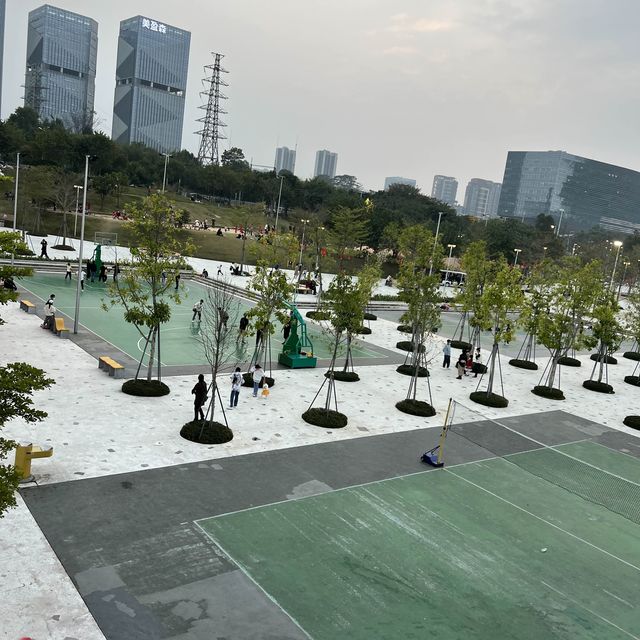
(326, 164)
(389, 182)
(151, 81)
(2, 15)
(62, 50)
(587, 193)
(285, 160)
(481, 198)
(445, 189)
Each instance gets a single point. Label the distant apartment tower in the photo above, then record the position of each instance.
(285, 160)
(2, 13)
(62, 49)
(151, 80)
(444, 189)
(326, 163)
(585, 193)
(481, 198)
(389, 182)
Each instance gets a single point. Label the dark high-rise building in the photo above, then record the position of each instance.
(62, 49)
(586, 192)
(444, 189)
(481, 198)
(151, 80)
(2, 13)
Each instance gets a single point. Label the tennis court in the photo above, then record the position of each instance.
(534, 542)
(180, 343)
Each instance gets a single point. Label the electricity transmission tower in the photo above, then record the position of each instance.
(212, 125)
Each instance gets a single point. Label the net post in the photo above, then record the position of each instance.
(443, 435)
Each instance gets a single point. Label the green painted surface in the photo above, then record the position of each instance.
(180, 345)
(433, 555)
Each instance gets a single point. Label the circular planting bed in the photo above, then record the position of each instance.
(523, 364)
(323, 418)
(247, 380)
(460, 344)
(608, 359)
(489, 399)
(632, 421)
(416, 408)
(408, 370)
(404, 328)
(631, 355)
(344, 376)
(632, 380)
(407, 345)
(600, 387)
(370, 316)
(478, 367)
(567, 361)
(63, 247)
(145, 388)
(551, 393)
(213, 432)
(318, 315)
(364, 331)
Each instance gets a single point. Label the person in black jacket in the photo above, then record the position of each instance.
(200, 392)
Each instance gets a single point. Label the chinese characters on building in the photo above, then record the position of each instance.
(153, 25)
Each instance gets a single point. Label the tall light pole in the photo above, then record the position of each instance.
(84, 209)
(435, 242)
(544, 252)
(517, 252)
(15, 203)
(164, 177)
(77, 187)
(559, 223)
(279, 198)
(618, 245)
(304, 226)
(451, 248)
(626, 264)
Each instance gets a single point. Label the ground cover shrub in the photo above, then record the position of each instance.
(327, 419)
(568, 361)
(370, 316)
(318, 315)
(404, 328)
(416, 408)
(523, 364)
(608, 359)
(407, 345)
(461, 344)
(632, 421)
(551, 393)
(145, 388)
(489, 399)
(632, 380)
(600, 387)
(409, 370)
(344, 376)
(213, 432)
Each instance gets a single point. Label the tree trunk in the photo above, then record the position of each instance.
(492, 367)
(152, 350)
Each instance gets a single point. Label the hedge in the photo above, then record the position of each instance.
(145, 388)
(632, 421)
(633, 380)
(344, 376)
(213, 432)
(370, 316)
(524, 364)
(408, 370)
(608, 359)
(631, 355)
(567, 361)
(461, 344)
(247, 380)
(407, 345)
(416, 408)
(322, 418)
(600, 387)
(551, 393)
(489, 399)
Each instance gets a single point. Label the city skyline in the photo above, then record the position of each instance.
(529, 101)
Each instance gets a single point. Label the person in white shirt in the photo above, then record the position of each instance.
(197, 311)
(258, 375)
(49, 314)
(236, 383)
(83, 275)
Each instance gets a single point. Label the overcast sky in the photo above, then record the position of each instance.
(395, 87)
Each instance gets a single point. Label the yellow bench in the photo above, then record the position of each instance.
(27, 306)
(114, 368)
(60, 329)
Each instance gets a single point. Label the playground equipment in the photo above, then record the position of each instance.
(297, 351)
(25, 453)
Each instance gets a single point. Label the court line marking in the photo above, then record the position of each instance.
(597, 615)
(622, 453)
(245, 571)
(551, 524)
(613, 595)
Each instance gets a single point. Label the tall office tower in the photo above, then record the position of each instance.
(481, 198)
(285, 159)
(2, 12)
(585, 193)
(444, 189)
(326, 163)
(62, 49)
(389, 182)
(151, 80)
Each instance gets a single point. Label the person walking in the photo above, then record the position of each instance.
(91, 270)
(236, 383)
(259, 336)
(242, 329)
(460, 365)
(83, 275)
(116, 271)
(200, 392)
(103, 273)
(177, 281)
(43, 249)
(197, 311)
(68, 272)
(286, 329)
(219, 274)
(446, 350)
(163, 278)
(258, 375)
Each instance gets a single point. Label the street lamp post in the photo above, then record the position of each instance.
(544, 252)
(618, 245)
(77, 187)
(559, 223)
(164, 177)
(304, 226)
(451, 248)
(517, 252)
(435, 242)
(626, 264)
(279, 198)
(79, 277)
(15, 203)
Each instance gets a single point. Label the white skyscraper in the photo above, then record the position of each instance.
(326, 163)
(285, 160)
(444, 189)
(389, 182)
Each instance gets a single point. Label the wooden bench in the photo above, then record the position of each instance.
(27, 306)
(114, 368)
(60, 329)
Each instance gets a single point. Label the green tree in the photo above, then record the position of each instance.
(348, 232)
(233, 158)
(105, 185)
(11, 244)
(145, 288)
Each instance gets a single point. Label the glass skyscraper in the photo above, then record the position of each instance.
(151, 80)
(62, 49)
(2, 12)
(589, 193)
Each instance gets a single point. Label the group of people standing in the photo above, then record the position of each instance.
(465, 361)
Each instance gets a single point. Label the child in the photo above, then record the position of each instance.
(478, 359)
(265, 391)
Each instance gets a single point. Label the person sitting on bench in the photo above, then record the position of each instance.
(49, 315)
